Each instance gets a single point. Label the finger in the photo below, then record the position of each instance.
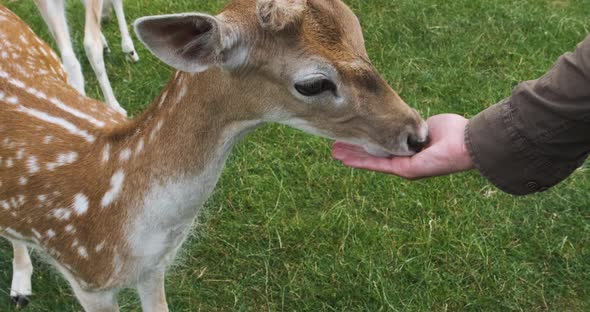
(411, 168)
(347, 146)
(356, 157)
(397, 166)
(340, 153)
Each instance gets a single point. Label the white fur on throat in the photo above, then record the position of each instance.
(171, 206)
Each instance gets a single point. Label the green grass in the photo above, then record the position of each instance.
(288, 229)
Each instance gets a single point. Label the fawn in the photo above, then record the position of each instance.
(110, 200)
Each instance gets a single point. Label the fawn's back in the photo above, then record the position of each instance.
(46, 131)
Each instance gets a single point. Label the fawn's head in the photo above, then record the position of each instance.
(304, 63)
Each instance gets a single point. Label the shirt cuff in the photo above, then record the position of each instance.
(505, 156)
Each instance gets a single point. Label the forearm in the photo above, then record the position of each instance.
(541, 134)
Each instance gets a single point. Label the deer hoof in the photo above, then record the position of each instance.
(20, 302)
(132, 56)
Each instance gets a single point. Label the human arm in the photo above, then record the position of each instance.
(525, 144)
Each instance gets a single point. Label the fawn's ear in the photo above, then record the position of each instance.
(189, 42)
(276, 15)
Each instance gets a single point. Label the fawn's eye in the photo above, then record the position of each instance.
(315, 86)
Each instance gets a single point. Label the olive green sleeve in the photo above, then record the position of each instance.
(541, 134)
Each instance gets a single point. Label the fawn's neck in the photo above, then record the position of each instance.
(195, 115)
(187, 135)
(176, 152)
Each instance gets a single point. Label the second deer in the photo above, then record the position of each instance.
(53, 12)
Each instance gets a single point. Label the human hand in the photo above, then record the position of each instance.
(445, 154)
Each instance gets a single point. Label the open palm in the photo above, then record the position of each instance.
(445, 154)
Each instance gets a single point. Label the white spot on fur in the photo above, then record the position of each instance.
(82, 252)
(139, 147)
(17, 201)
(50, 233)
(17, 83)
(19, 154)
(69, 228)
(37, 93)
(80, 205)
(106, 151)
(76, 112)
(62, 160)
(12, 100)
(33, 165)
(23, 39)
(23, 181)
(156, 130)
(47, 139)
(20, 200)
(7, 143)
(163, 99)
(116, 185)
(71, 128)
(182, 93)
(9, 163)
(61, 214)
(125, 154)
(99, 247)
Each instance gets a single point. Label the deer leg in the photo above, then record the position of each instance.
(107, 10)
(94, 50)
(152, 294)
(126, 42)
(105, 43)
(53, 13)
(22, 269)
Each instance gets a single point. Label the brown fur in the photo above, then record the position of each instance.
(180, 131)
(276, 15)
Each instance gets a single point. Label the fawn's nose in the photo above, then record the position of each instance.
(419, 139)
(416, 144)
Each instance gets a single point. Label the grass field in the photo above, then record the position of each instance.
(288, 229)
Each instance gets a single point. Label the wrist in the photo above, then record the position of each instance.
(465, 158)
